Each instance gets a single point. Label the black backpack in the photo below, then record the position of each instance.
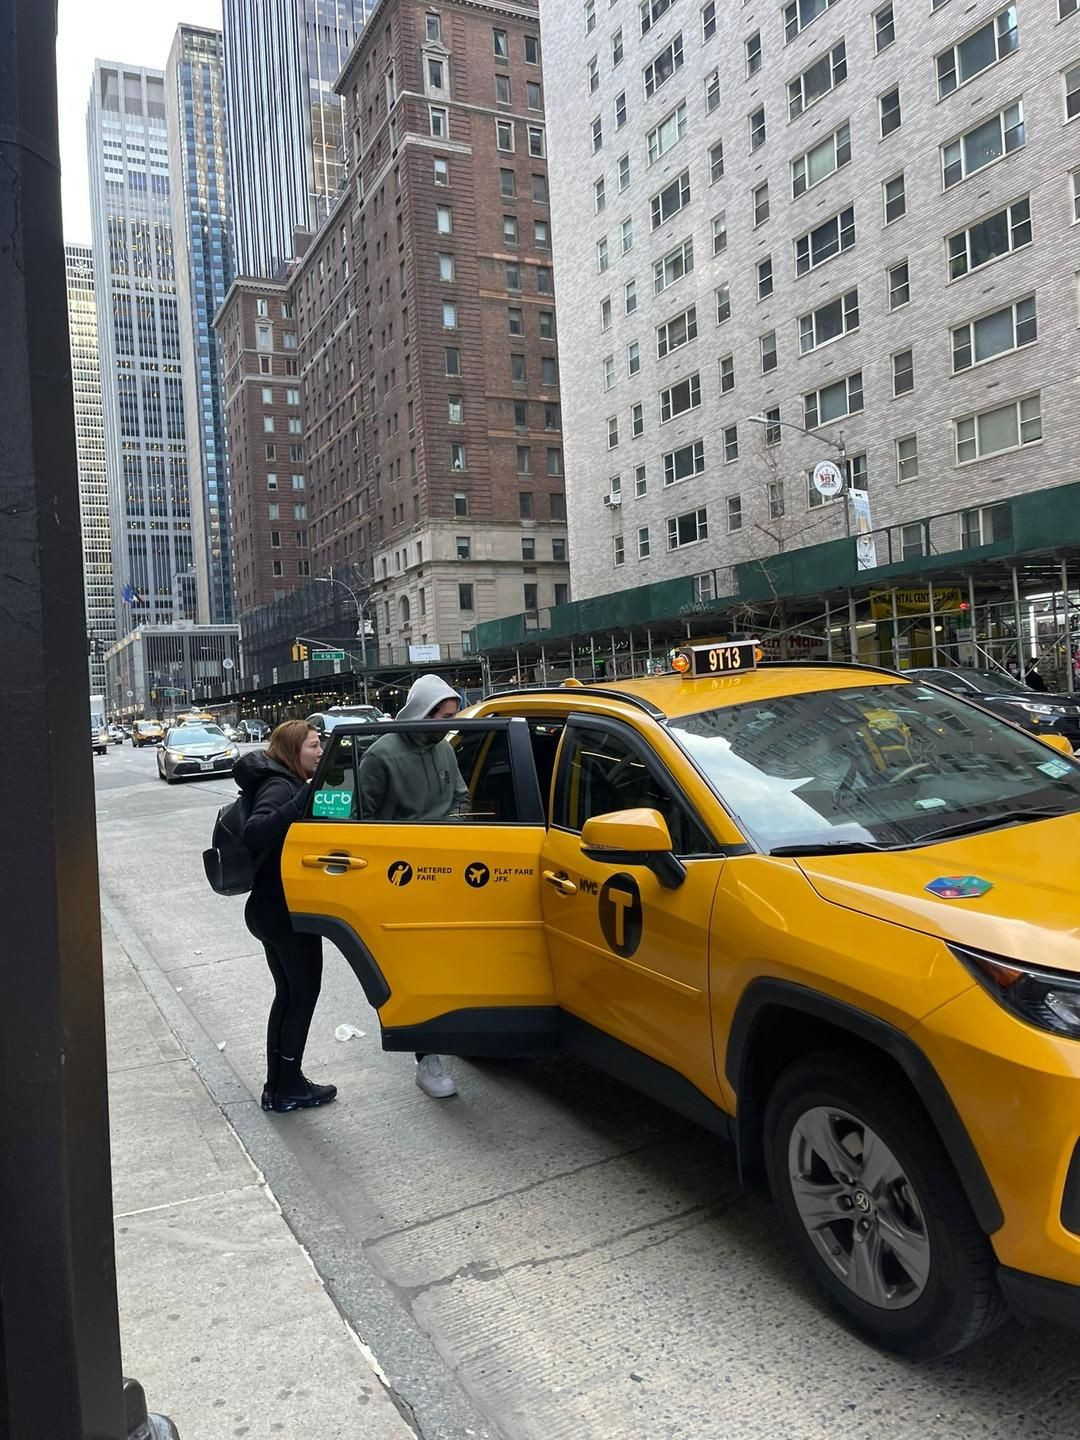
(228, 863)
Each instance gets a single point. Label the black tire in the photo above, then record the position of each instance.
(961, 1301)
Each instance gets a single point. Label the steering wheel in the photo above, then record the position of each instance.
(909, 770)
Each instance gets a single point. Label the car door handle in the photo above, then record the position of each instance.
(334, 864)
(560, 883)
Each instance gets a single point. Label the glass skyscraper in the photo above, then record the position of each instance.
(198, 160)
(90, 453)
(286, 140)
(139, 336)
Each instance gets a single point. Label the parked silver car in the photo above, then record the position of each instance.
(196, 750)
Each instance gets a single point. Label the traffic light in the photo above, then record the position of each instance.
(299, 652)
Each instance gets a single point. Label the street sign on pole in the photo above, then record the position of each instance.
(226, 664)
(328, 654)
(828, 479)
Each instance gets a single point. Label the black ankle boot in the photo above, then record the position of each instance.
(305, 1096)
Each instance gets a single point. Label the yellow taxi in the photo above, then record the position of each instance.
(823, 910)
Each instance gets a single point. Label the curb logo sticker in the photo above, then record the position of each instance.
(477, 875)
(959, 887)
(620, 914)
(399, 873)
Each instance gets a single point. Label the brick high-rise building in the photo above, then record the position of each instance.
(257, 339)
(426, 313)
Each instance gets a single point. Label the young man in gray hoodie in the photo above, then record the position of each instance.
(415, 776)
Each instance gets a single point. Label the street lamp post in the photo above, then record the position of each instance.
(839, 445)
(361, 607)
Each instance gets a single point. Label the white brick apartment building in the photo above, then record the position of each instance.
(853, 215)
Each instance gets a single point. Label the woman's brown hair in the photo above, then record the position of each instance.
(284, 745)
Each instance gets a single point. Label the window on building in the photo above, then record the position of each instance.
(761, 203)
(765, 277)
(661, 68)
(1006, 427)
(899, 285)
(676, 332)
(641, 482)
(667, 133)
(726, 368)
(734, 513)
(630, 297)
(637, 419)
(833, 402)
(723, 302)
(549, 370)
(828, 322)
(678, 399)
(597, 133)
(980, 146)
(602, 257)
(889, 111)
(708, 21)
(826, 240)
(903, 373)
(500, 44)
(643, 542)
(441, 171)
(633, 358)
(752, 48)
(438, 121)
(452, 359)
(687, 529)
(731, 444)
(444, 220)
(618, 549)
(821, 161)
(525, 505)
(767, 346)
(719, 233)
(716, 162)
(465, 597)
(998, 234)
(537, 146)
(894, 196)
(817, 80)
(620, 110)
(756, 122)
(981, 48)
(670, 200)
(798, 14)
(907, 459)
(446, 268)
(674, 265)
(683, 463)
(1003, 330)
(884, 28)
(712, 91)
(624, 172)
(626, 230)
(612, 431)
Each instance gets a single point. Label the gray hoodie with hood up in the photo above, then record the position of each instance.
(414, 776)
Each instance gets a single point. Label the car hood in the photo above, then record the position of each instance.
(1029, 913)
(1039, 697)
(212, 749)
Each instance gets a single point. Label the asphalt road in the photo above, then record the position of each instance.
(546, 1255)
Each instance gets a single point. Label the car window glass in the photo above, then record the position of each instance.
(871, 765)
(603, 773)
(422, 780)
(545, 736)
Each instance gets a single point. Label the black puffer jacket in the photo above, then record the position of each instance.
(276, 798)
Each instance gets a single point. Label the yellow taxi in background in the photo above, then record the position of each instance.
(147, 732)
(823, 910)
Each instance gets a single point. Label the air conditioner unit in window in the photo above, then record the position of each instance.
(613, 501)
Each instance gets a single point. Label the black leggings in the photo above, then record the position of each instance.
(295, 962)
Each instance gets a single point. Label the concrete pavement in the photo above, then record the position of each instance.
(224, 1319)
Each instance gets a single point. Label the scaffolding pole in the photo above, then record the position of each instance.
(1019, 624)
(828, 630)
(933, 627)
(853, 627)
(1070, 683)
(895, 631)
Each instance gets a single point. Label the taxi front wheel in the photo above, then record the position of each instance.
(876, 1211)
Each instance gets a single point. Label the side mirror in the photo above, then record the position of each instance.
(1057, 742)
(634, 837)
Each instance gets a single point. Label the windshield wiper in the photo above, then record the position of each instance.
(989, 822)
(826, 847)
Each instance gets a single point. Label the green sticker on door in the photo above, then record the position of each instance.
(332, 804)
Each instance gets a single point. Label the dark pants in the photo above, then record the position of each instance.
(295, 963)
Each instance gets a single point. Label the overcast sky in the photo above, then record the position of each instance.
(136, 31)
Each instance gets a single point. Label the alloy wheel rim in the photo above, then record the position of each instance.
(859, 1208)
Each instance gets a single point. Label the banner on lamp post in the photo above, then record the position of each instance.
(865, 544)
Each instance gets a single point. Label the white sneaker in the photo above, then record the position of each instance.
(433, 1080)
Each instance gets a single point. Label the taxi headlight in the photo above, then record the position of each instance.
(1048, 999)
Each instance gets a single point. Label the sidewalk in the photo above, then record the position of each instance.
(224, 1320)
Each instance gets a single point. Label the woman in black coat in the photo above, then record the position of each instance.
(276, 783)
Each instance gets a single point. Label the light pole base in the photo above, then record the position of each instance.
(140, 1425)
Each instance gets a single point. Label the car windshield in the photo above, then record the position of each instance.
(147, 725)
(196, 735)
(881, 765)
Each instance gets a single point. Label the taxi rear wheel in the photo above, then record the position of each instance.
(876, 1211)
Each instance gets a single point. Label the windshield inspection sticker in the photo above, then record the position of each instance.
(1056, 769)
(959, 887)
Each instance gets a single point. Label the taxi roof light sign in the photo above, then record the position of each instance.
(726, 657)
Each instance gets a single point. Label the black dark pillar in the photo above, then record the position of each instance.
(59, 1336)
